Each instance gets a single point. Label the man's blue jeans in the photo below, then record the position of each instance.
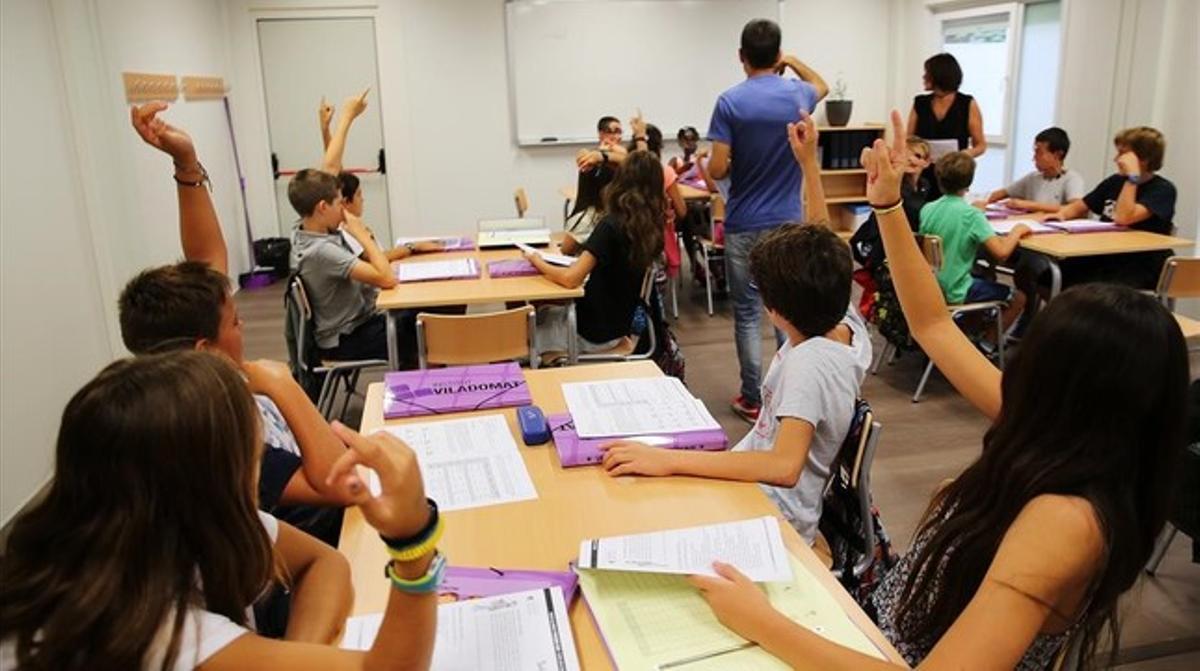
(747, 310)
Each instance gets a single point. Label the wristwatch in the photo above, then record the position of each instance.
(411, 247)
(1134, 178)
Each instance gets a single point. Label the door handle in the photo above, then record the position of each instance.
(275, 165)
(382, 162)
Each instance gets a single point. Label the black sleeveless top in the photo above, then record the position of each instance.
(954, 126)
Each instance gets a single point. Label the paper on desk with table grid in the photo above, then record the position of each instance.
(658, 621)
(508, 632)
(635, 406)
(754, 547)
(466, 463)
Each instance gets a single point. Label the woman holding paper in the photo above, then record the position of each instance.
(1037, 539)
(147, 550)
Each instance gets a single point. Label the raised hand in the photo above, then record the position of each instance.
(325, 113)
(400, 510)
(802, 136)
(885, 163)
(355, 105)
(638, 124)
(161, 135)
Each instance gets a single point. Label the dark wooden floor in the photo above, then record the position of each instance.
(921, 445)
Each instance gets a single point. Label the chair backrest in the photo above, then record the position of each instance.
(456, 340)
(931, 247)
(852, 469)
(521, 200)
(1180, 278)
(510, 224)
(300, 314)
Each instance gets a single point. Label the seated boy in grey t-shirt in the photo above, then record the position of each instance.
(803, 273)
(1051, 185)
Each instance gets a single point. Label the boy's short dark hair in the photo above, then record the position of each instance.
(760, 43)
(944, 72)
(171, 307)
(348, 184)
(687, 133)
(602, 124)
(309, 187)
(955, 171)
(1056, 141)
(803, 273)
(1146, 143)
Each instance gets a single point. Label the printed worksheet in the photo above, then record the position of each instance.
(635, 406)
(437, 270)
(466, 463)
(1005, 226)
(552, 259)
(754, 547)
(659, 621)
(509, 632)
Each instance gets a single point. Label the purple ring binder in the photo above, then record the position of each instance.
(437, 391)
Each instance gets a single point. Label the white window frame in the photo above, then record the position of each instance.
(1016, 20)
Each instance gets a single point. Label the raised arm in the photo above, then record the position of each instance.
(324, 116)
(199, 228)
(806, 73)
(613, 154)
(351, 109)
(802, 137)
(406, 635)
(921, 299)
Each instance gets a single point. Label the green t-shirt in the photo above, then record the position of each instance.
(962, 229)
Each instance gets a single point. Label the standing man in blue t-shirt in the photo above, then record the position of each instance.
(749, 136)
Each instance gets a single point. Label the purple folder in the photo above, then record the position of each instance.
(437, 391)
(1086, 226)
(1003, 213)
(475, 583)
(457, 244)
(576, 451)
(511, 268)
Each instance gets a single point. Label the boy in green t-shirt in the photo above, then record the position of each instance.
(963, 229)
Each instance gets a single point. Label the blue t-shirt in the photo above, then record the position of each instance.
(765, 180)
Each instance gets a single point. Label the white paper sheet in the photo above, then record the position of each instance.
(509, 632)
(553, 259)
(466, 463)
(503, 238)
(939, 148)
(633, 406)
(1003, 227)
(754, 547)
(436, 270)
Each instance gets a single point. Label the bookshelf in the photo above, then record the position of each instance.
(842, 177)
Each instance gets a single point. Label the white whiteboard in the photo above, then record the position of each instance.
(572, 61)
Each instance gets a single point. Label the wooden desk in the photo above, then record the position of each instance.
(1189, 326)
(573, 504)
(482, 290)
(1058, 246)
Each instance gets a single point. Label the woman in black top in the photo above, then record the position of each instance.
(946, 114)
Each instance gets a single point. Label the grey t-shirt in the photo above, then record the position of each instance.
(1061, 190)
(339, 304)
(816, 381)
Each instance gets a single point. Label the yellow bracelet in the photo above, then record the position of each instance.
(423, 548)
(888, 210)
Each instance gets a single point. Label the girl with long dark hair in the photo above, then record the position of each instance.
(613, 261)
(148, 548)
(1035, 541)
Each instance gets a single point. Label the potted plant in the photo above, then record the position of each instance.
(837, 108)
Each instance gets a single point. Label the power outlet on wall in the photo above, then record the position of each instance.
(141, 87)
(203, 88)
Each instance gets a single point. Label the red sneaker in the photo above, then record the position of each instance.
(744, 409)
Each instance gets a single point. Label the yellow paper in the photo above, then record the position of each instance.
(654, 621)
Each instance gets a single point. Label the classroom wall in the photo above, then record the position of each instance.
(96, 205)
(444, 96)
(54, 335)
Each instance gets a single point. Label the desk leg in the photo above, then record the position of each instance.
(572, 338)
(393, 345)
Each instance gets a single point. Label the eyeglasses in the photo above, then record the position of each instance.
(613, 130)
